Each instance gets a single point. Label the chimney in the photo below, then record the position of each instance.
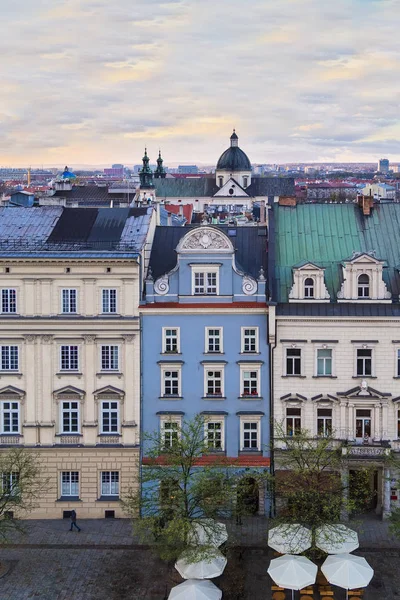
(287, 201)
(262, 212)
(181, 210)
(365, 203)
(169, 219)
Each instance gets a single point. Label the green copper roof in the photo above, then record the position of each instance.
(327, 235)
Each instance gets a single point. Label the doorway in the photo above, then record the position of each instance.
(248, 496)
(363, 490)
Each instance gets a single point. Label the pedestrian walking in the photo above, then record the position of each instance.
(73, 521)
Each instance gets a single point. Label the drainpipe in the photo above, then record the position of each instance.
(141, 385)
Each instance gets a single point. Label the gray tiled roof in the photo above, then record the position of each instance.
(206, 187)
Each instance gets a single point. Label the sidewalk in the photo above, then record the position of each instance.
(117, 533)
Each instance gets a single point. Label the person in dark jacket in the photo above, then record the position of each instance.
(73, 521)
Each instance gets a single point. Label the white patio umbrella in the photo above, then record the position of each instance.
(292, 572)
(192, 589)
(336, 539)
(207, 532)
(291, 538)
(347, 571)
(208, 568)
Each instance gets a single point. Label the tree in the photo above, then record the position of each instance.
(182, 483)
(21, 486)
(313, 487)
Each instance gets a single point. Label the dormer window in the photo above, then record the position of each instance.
(363, 286)
(245, 180)
(309, 288)
(205, 281)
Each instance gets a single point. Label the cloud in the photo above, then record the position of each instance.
(94, 81)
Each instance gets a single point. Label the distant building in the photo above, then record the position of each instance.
(383, 165)
(117, 166)
(115, 171)
(380, 191)
(188, 169)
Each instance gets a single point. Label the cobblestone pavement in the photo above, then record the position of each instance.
(106, 562)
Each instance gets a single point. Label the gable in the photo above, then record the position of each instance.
(231, 189)
(204, 240)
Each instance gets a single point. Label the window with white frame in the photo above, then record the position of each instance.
(363, 286)
(109, 417)
(69, 358)
(309, 288)
(170, 381)
(214, 433)
(205, 281)
(109, 358)
(213, 381)
(69, 300)
(170, 431)
(171, 340)
(109, 301)
(8, 301)
(364, 362)
(249, 340)
(250, 381)
(110, 483)
(70, 416)
(70, 483)
(214, 340)
(324, 362)
(9, 358)
(363, 423)
(250, 434)
(293, 421)
(324, 422)
(293, 361)
(10, 483)
(9, 416)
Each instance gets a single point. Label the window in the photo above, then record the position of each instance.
(69, 358)
(221, 181)
(170, 432)
(9, 358)
(9, 483)
(70, 416)
(249, 339)
(9, 416)
(245, 182)
(109, 358)
(171, 340)
(364, 362)
(213, 339)
(205, 282)
(109, 416)
(293, 361)
(8, 301)
(214, 434)
(110, 483)
(250, 435)
(70, 483)
(398, 363)
(363, 286)
(170, 382)
(109, 301)
(398, 423)
(213, 381)
(293, 421)
(68, 301)
(363, 423)
(250, 382)
(324, 361)
(309, 288)
(324, 422)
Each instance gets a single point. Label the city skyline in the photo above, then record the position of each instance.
(301, 81)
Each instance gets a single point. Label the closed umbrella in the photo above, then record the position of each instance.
(207, 532)
(207, 568)
(336, 539)
(292, 572)
(291, 538)
(192, 589)
(347, 571)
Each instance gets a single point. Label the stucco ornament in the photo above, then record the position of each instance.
(205, 239)
(161, 286)
(249, 285)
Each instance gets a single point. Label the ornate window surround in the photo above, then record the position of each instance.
(363, 263)
(306, 271)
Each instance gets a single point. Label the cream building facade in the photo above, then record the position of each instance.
(70, 351)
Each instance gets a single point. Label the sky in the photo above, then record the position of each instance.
(92, 82)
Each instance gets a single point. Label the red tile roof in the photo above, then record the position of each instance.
(187, 210)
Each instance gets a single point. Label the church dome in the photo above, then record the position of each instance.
(234, 159)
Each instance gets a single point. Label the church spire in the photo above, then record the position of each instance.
(146, 174)
(160, 171)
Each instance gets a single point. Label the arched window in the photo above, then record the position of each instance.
(309, 288)
(363, 286)
(245, 182)
(221, 181)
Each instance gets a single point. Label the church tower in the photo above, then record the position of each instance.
(159, 173)
(146, 174)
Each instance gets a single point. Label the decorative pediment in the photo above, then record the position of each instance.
(67, 392)
(231, 189)
(364, 257)
(204, 240)
(109, 392)
(364, 391)
(10, 392)
(308, 283)
(324, 398)
(363, 279)
(293, 399)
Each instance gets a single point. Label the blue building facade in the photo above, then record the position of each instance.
(204, 341)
